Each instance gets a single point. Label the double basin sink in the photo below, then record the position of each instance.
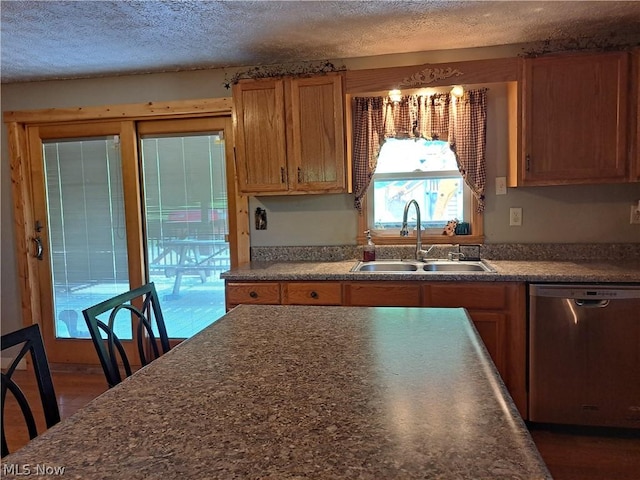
(428, 266)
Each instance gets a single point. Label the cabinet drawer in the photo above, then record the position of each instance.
(264, 293)
(318, 293)
(467, 295)
(382, 294)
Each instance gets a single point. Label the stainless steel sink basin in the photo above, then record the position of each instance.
(386, 266)
(462, 266)
(428, 267)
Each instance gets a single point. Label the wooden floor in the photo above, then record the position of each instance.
(589, 456)
(74, 390)
(569, 456)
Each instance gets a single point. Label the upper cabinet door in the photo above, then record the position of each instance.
(574, 112)
(290, 135)
(261, 146)
(317, 144)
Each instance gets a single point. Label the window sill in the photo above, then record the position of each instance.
(426, 239)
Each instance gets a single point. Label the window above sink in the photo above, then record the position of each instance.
(426, 163)
(423, 170)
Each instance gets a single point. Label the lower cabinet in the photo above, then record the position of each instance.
(311, 293)
(264, 293)
(382, 294)
(498, 311)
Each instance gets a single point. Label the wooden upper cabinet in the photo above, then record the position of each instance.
(290, 135)
(574, 120)
(317, 147)
(260, 135)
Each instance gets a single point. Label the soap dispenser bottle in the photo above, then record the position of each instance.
(369, 250)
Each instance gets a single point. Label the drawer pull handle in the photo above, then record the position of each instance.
(253, 294)
(314, 294)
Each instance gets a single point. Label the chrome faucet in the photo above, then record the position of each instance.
(459, 255)
(404, 231)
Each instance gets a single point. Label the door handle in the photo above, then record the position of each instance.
(591, 303)
(39, 249)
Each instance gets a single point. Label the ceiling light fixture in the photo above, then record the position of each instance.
(395, 95)
(457, 91)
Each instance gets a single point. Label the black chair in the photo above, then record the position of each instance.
(31, 341)
(111, 351)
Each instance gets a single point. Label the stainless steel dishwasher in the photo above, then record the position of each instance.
(584, 355)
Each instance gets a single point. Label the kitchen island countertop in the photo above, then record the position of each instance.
(303, 392)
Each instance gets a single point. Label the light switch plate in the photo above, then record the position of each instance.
(501, 185)
(515, 216)
(261, 219)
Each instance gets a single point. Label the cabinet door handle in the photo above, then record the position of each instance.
(527, 163)
(299, 175)
(253, 294)
(314, 294)
(282, 177)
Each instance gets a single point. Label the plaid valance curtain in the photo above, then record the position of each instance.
(461, 121)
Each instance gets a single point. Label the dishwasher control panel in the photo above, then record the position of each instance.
(585, 291)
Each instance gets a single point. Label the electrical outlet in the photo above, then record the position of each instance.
(515, 217)
(501, 185)
(635, 215)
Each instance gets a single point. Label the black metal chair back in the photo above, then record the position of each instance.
(110, 349)
(31, 341)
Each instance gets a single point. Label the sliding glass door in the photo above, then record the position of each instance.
(86, 225)
(119, 204)
(187, 228)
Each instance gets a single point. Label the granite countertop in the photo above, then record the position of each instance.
(279, 392)
(511, 271)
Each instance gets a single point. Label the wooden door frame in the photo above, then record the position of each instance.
(72, 350)
(22, 188)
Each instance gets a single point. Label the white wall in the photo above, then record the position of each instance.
(598, 214)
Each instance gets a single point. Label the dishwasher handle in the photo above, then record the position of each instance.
(588, 303)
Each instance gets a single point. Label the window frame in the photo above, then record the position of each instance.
(394, 238)
(476, 219)
(420, 175)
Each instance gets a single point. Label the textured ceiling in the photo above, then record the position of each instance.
(69, 39)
